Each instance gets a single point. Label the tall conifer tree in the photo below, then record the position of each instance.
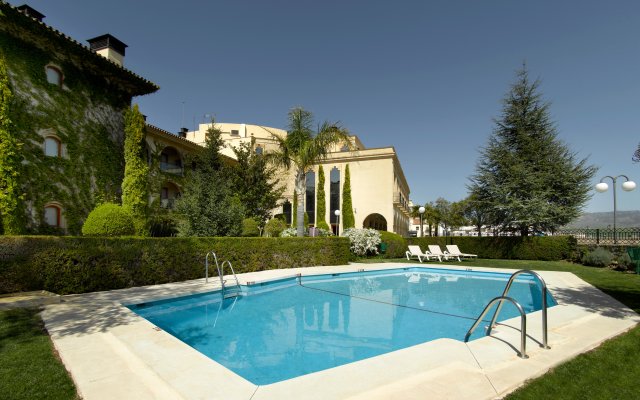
(348, 219)
(321, 207)
(526, 176)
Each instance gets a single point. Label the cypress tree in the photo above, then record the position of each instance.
(348, 219)
(10, 161)
(294, 214)
(135, 190)
(321, 207)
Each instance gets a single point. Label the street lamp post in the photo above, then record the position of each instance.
(421, 211)
(627, 186)
(337, 213)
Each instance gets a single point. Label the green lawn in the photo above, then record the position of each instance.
(612, 371)
(28, 367)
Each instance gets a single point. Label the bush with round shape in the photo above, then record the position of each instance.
(598, 258)
(396, 244)
(108, 219)
(250, 227)
(363, 241)
(274, 227)
(289, 232)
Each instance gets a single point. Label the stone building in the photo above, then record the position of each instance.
(67, 114)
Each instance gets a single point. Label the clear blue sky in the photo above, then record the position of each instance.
(426, 77)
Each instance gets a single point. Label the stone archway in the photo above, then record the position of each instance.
(375, 221)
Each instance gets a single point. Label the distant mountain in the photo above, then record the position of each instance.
(624, 219)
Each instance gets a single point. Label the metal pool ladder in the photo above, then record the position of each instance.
(220, 268)
(523, 316)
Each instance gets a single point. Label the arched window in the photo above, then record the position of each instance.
(52, 147)
(334, 195)
(54, 75)
(52, 215)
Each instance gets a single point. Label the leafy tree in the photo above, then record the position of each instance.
(450, 213)
(475, 212)
(348, 219)
(321, 207)
(10, 161)
(208, 206)
(526, 176)
(255, 183)
(302, 149)
(135, 189)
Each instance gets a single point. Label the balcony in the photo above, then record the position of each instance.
(401, 202)
(172, 168)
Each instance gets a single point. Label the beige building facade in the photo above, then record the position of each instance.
(379, 189)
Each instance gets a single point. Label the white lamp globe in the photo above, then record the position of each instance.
(337, 212)
(421, 210)
(602, 187)
(628, 186)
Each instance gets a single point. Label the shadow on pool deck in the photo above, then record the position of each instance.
(593, 299)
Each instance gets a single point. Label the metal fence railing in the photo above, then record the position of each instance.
(621, 236)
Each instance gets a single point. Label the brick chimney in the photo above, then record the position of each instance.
(108, 47)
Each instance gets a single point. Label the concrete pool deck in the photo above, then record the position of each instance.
(112, 353)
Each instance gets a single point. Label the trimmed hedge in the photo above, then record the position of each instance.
(66, 265)
(396, 245)
(545, 248)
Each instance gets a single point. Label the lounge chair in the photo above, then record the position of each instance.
(416, 251)
(435, 250)
(455, 251)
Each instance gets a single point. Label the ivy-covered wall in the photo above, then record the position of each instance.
(85, 113)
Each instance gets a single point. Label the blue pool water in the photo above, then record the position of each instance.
(287, 328)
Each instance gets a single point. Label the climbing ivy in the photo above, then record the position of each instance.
(348, 219)
(10, 193)
(85, 113)
(135, 189)
(322, 202)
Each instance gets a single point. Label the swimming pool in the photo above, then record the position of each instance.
(290, 327)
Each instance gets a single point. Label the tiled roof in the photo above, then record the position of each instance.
(146, 85)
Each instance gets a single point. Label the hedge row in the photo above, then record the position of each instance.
(547, 248)
(66, 265)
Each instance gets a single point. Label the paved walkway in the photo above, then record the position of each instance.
(112, 353)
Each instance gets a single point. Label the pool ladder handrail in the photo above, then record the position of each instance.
(220, 268)
(501, 299)
(523, 322)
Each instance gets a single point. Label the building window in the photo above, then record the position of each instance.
(286, 211)
(52, 147)
(334, 195)
(235, 132)
(259, 150)
(52, 215)
(54, 75)
(310, 197)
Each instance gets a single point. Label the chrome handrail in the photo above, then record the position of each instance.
(523, 323)
(544, 303)
(206, 266)
(232, 271)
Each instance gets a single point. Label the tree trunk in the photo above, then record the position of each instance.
(300, 189)
(479, 230)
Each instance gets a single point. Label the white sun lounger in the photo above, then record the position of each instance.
(416, 251)
(437, 251)
(455, 251)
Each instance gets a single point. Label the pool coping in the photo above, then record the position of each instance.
(113, 353)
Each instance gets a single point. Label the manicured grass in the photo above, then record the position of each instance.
(612, 370)
(28, 367)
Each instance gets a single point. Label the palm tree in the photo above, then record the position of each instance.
(303, 148)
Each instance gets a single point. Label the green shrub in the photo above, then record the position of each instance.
(625, 262)
(598, 258)
(396, 244)
(274, 227)
(250, 227)
(108, 219)
(84, 264)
